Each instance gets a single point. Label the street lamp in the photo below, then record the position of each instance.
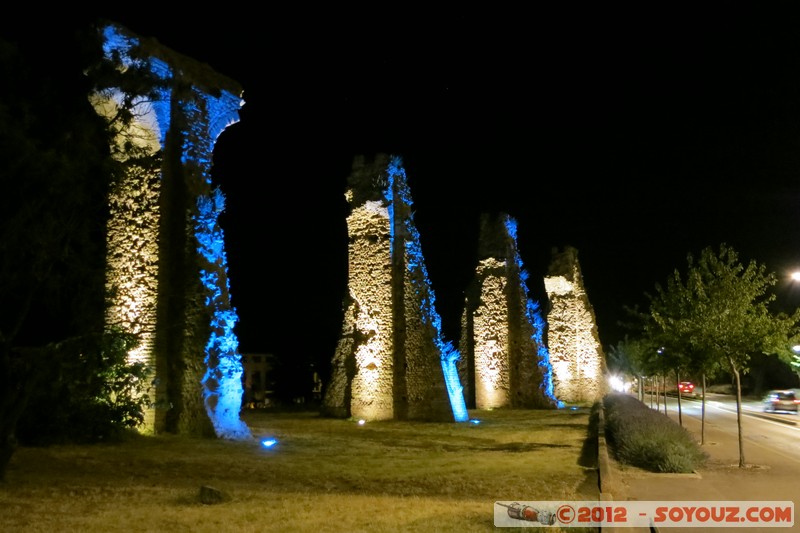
(791, 291)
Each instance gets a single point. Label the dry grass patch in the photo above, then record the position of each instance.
(323, 475)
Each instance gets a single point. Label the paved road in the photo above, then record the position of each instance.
(778, 431)
(772, 471)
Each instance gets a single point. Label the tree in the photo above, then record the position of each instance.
(794, 362)
(719, 314)
(54, 171)
(632, 357)
(88, 392)
(669, 347)
(701, 364)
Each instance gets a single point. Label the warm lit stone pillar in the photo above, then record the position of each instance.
(388, 363)
(506, 363)
(370, 284)
(490, 337)
(166, 269)
(132, 264)
(575, 350)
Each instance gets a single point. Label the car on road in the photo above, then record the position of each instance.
(781, 401)
(686, 387)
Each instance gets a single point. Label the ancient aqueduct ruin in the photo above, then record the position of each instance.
(167, 279)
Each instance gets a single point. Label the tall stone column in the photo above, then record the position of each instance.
(390, 359)
(575, 350)
(166, 270)
(506, 362)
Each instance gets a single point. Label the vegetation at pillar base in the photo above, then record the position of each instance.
(55, 168)
(86, 392)
(649, 439)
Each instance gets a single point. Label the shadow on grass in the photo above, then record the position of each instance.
(569, 426)
(589, 451)
(475, 444)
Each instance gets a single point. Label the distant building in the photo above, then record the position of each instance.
(261, 387)
(258, 379)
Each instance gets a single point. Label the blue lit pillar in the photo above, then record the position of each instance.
(167, 270)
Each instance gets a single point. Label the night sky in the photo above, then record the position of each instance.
(635, 137)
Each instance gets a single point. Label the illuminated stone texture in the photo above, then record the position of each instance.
(389, 360)
(505, 361)
(575, 350)
(166, 268)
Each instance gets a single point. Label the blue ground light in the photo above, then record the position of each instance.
(269, 443)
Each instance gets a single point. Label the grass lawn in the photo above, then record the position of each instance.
(323, 475)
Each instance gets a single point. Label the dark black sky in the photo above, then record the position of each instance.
(636, 137)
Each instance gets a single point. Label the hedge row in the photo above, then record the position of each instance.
(642, 437)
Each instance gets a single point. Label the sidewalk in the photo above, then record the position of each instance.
(768, 476)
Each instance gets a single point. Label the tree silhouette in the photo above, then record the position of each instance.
(719, 314)
(55, 169)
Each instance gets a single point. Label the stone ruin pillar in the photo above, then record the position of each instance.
(505, 361)
(389, 360)
(166, 273)
(575, 351)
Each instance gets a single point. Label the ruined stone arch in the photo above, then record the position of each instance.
(166, 272)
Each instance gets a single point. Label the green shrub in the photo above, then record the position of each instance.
(86, 392)
(648, 439)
